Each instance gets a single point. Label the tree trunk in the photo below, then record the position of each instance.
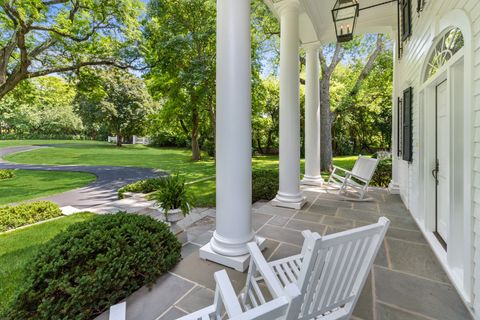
(195, 147)
(119, 140)
(326, 152)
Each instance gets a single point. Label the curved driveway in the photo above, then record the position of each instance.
(103, 190)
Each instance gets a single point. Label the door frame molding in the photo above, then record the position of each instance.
(458, 261)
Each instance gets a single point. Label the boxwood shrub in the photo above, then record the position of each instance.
(94, 264)
(142, 186)
(6, 174)
(383, 174)
(12, 217)
(264, 184)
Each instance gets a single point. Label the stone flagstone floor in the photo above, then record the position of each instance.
(406, 282)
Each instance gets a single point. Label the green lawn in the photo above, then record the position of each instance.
(27, 184)
(18, 143)
(167, 159)
(18, 247)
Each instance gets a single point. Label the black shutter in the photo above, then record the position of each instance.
(399, 127)
(406, 19)
(407, 125)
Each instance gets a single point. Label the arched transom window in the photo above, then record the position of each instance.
(446, 47)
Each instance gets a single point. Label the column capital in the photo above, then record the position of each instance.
(287, 6)
(311, 46)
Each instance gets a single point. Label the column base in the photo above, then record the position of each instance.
(239, 263)
(394, 188)
(297, 205)
(312, 181)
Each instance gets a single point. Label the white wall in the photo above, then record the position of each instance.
(409, 73)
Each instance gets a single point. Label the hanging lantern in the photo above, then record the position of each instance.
(345, 13)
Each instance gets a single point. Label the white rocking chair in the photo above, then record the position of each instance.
(358, 179)
(330, 272)
(285, 305)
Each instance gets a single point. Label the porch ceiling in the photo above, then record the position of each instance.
(316, 22)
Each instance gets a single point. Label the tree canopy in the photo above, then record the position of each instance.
(114, 98)
(41, 37)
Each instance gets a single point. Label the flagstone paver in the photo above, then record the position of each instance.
(406, 283)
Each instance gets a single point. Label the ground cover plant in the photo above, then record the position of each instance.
(92, 265)
(19, 247)
(6, 174)
(12, 217)
(142, 186)
(30, 184)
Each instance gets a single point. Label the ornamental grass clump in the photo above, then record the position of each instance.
(92, 265)
(174, 194)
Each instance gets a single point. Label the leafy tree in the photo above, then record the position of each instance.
(41, 37)
(182, 72)
(37, 107)
(115, 98)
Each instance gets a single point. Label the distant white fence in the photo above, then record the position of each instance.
(135, 140)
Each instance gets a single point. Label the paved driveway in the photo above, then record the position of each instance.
(103, 190)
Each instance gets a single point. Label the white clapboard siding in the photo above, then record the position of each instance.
(408, 73)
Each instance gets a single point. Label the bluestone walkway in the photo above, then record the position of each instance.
(102, 191)
(406, 282)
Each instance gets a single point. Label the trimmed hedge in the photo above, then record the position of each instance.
(94, 264)
(12, 217)
(264, 185)
(142, 186)
(6, 174)
(383, 174)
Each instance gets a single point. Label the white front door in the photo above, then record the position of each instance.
(443, 160)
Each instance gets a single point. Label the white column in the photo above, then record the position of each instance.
(233, 138)
(312, 117)
(394, 186)
(289, 194)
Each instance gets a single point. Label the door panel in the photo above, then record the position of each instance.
(443, 158)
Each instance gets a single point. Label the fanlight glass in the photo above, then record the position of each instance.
(444, 50)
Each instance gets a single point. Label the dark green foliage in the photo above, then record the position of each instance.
(12, 217)
(94, 264)
(264, 184)
(174, 194)
(383, 174)
(143, 186)
(6, 174)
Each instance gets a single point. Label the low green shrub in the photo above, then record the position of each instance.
(143, 186)
(92, 265)
(174, 194)
(12, 217)
(6, 174)
(383, 174)
(264, 184)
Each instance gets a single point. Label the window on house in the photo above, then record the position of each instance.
(407, 141)
(446, 47)
(406, 6)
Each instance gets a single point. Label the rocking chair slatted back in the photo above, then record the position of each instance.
(365, 167)
(335, 268)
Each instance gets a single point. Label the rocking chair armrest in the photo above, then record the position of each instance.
(271, 280)
(357, 177)
(339, 168)
(227, 294)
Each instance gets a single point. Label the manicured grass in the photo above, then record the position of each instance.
(18, 247)
(168, 159)
(29, 184)
(18, 143)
